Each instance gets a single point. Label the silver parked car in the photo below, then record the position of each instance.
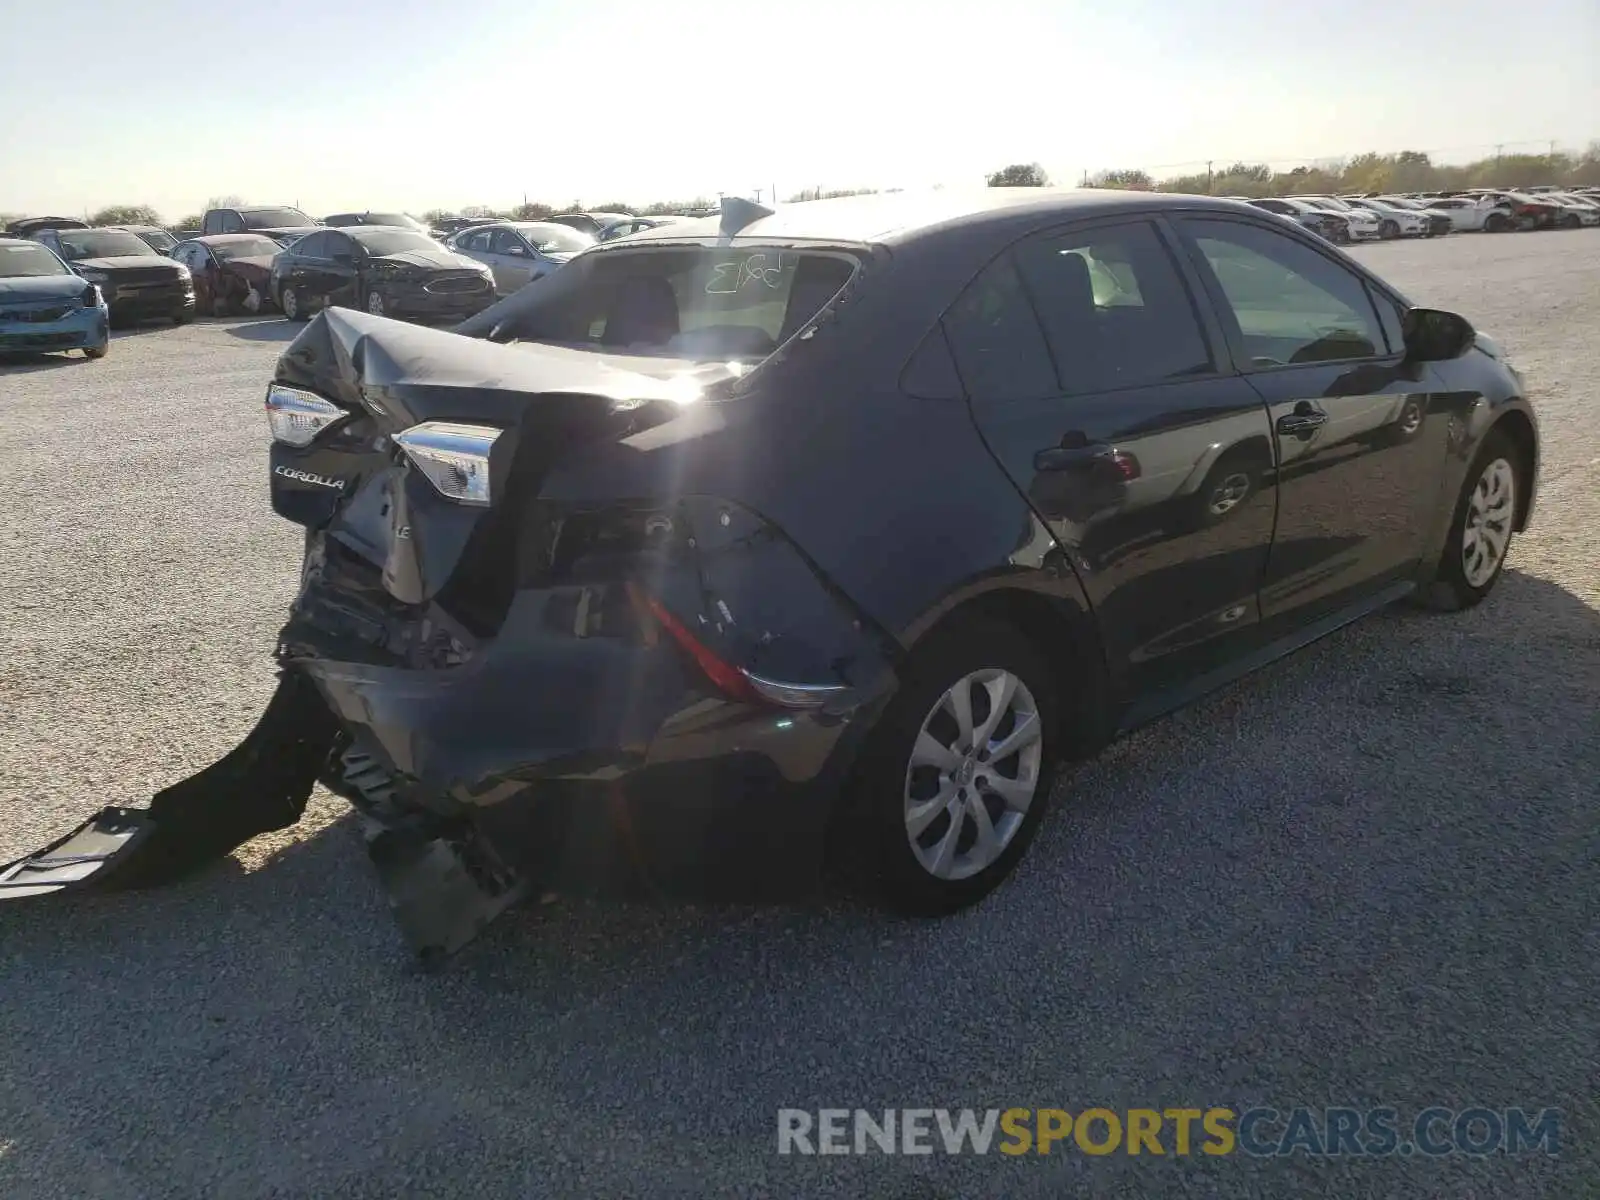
(518, 252)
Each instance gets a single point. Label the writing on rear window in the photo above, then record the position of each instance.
(759, 269)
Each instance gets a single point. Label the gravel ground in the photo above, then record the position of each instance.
(1364, 876)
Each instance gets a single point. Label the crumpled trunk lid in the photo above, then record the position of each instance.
(383, 536)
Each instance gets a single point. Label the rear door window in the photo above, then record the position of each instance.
(1115, 311)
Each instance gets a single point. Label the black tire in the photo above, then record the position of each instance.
(1571, 221)
(97, 351)
(1451, 590)
(1496, 222)
(1388, 230)
(871, 849)
(292, 304)
(184, 316)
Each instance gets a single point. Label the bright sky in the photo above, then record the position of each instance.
(340, 104)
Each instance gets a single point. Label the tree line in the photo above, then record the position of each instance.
(1407, 171)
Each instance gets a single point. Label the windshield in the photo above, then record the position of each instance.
(24, 261)
(256, 247)
(555, 239)
(1330, 202)
(157, 239)
(274, 218)
(705, 304)
(391, 241)
(79, 244)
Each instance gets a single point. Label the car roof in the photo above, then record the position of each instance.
(898, 217)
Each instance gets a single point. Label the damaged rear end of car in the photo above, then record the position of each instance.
(539, 642)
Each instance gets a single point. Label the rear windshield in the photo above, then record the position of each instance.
(275, 218)
(78, 244)
(16, 261)
(693, 302)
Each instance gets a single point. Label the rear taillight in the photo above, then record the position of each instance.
(296, 417)
(735, 682)
(455, 458)
(1126, 464)
(727, 677)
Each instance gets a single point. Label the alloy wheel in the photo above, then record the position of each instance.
(974, 773)
(375, 304)
(289, 301)
(1411, 418)
(1226, 496)
(1487, 532)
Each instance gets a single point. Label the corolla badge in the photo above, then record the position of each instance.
(309, 477)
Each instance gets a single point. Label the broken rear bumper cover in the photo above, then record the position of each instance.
(611, 776)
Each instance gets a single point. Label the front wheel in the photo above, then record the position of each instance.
(955, 777)
(293, 306)
(1480, 535)
(1388, 230)
(1496, 222)
(97, 351)
(375, 304)
(1571, 221)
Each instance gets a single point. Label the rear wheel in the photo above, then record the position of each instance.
(375, 304)
(1480, 535)
(955, 777)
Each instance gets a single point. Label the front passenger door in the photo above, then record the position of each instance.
(1360, 447)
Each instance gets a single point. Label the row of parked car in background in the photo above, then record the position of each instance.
(1374, 216)
(64, 284)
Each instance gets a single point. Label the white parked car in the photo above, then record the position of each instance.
(1364, 225)
(1469, 214)
(1393, 221)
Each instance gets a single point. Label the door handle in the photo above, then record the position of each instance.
(1065, 458)
(1302, 421)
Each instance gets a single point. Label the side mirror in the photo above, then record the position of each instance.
(1433, 335)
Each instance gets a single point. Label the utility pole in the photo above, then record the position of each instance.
(758, 195)
(1210, 184)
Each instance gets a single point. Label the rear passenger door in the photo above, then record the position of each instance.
(1361, 453)
(1103, 387)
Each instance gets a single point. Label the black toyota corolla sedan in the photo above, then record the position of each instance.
(387, 271)
(824, 536)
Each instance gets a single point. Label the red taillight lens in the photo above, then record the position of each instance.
(1126, 464)
(728, 679)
